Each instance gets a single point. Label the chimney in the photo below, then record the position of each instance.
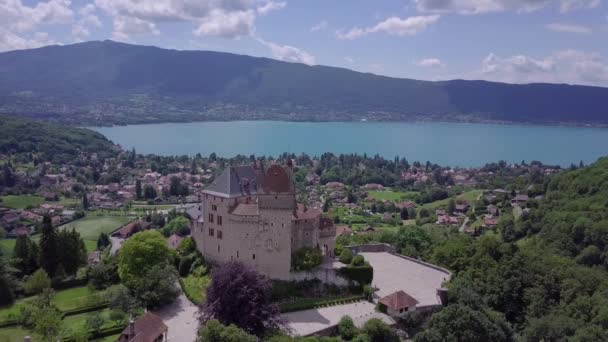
(131, 328)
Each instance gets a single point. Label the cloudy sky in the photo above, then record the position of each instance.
(517, 41)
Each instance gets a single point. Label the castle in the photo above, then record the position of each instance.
(251, 215)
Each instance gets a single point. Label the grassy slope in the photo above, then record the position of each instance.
(21, 201)
(91, 226)
(393, 195)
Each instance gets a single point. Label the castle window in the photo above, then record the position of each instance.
(210, 218)
(219, 220)
(219, 234)
(272, 224)
(237, 254)
(282, 224)
(254, 257)
(218, 248)
(276, 197)
(222, 199)
(206, 196)
(211, 232)
(214, 207)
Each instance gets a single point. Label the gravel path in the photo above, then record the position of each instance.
(181, 317)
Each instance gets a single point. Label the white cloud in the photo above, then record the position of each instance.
(430, 63)
(125, 26)
(227, 25)
(16, 16)
(568, 66)
(288, 53)
(349, 60)
(11, 41)
(87, 19)
(223, 18)
(319, 27)
(393, 25)
(270, 5)
(569, 28)
(376, 68)
(487, 6)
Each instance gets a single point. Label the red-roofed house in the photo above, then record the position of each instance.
(148, 328)
(131, 228)
(174, 240)
(398, 303)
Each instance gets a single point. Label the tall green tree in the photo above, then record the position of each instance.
(85, 201)
(139, 254)
(25, 255)
(48, 256)
(7, 283)
(138, 189)
(71, 250)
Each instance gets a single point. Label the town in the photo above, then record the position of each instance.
(341, 239)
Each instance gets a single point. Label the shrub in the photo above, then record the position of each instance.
(37, 282)
(346, 257)
(358, 261)
(378, 331)
(346, 328)
(363, 275)
(306, 258)
(185, 263)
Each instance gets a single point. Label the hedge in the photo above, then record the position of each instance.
(85, 309)
(311, 303)
(363, 275)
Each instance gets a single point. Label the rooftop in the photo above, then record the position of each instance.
(235, 181)
(399, 300)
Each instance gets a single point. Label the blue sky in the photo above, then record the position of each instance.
(517, 41)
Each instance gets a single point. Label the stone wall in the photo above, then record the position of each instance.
(324, 274)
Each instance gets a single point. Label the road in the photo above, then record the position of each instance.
(181, 317)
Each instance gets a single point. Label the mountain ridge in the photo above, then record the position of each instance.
(105, 82)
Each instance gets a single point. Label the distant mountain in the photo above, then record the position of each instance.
(109, 82)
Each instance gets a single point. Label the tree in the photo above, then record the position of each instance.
(103, 241)
(95, 322)
(37, 282)
(346, 256)
(139, 254)
(347, 328)
(85, 201)
(214, 331)
(25, 255)
(100, 276)
(378, 331)
(149, 192)
(119, 298)
(48, 324)
(458, 322)
(48, 258)
(404, 214)
(138, 189)
(306, 258)
(451, 206)
(71, 250)
(241, 296)
(358, 260)
(7, 284)
(178, 225)
(326, 205)
(159, 286)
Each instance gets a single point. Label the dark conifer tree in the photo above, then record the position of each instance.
(48, 258)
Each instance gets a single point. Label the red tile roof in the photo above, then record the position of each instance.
(304, 213)
(399, 300)
(148, 328)
(174, 240)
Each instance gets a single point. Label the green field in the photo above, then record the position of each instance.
(394, 196)
(469, 196)
(13, 334)
(69, 299)
(7, 246)
(91, 226)
(21, 201)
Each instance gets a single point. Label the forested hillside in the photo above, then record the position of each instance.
(50, 141)
(109, 82)
(543, 278)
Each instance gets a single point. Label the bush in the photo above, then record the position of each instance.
(363, 275)
(378, 331)
(346, 328)
(346, 257)
(306, 258)
(214, 331)
(37, 282)
(358, 261)
(185, 263)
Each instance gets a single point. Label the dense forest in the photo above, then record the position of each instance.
(115, 83)
(50, 142)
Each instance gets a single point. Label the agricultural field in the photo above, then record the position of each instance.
(91, 226)
(7, 246)
(21, 201)
(469, 196)
(394, 196)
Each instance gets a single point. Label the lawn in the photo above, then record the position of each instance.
(91, 226)
(78, 322)
(13, 334)
(69, 299)
(469, 196)
(7, 246)
(22, 201)
(394, 196)
(195, 286)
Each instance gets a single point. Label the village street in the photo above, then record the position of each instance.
(181, 317)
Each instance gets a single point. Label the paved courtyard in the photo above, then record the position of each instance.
(393, 273)
(181, 317)
(303, 323)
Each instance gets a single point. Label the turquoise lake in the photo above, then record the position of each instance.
(453, 144)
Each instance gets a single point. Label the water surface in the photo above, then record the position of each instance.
(452, 144)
